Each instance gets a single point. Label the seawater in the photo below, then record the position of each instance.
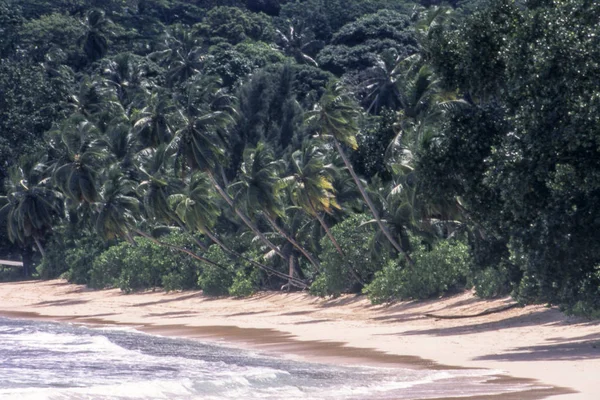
(40, 360)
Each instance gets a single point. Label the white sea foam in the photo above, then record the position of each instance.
(40, 361)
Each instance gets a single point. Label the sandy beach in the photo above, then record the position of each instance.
(533, 342)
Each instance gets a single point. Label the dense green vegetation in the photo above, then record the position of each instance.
(402, 149)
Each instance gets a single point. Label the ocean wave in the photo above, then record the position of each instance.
(65, 362)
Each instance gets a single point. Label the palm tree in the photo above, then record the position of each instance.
(430, 20)
(181, 54)
(128, 75)
(92, 98)
(119, 210)
(201, 124)
(258, 189)
(94, 41)
(201, 142)
(408, 209)
(199, 209)
(120, 144)
(311, 185)
(32, 206)
(197, 206)
(382, 86)
(335, 117)
(157, 184)
(77, 152)
(153, 122)
(296, 43)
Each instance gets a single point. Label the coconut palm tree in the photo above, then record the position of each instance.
(95, 40)
(120, 143)
(128, 75)
(181, 53)
(311, 187)
(31, 206)
(77, 152)
(296, 43)
(119, 210)
(198, 207)
(200, 140)
(335, 118)
(152, 123)
(92, 97)
(197, 204)
(382, 85)
(202, 121)
(157, 183)
(258, 189)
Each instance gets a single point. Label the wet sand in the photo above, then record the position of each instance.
(536, 343)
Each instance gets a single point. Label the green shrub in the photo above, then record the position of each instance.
(147, 265)
(342, 274)
(70, 256)
(107, 267)
(244, 284)
(53, 263)
(320, 286)
(215, 281)
(439, 270)
(80, 260)
(492, 282)
(528, 290)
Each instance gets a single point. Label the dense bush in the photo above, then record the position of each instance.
(79, 260)
(70, 255)
(244, 284)
(146, 264)
(492, 282)
(442, 269)
(356, 267)
(215, 281)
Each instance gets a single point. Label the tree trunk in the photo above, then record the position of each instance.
(27, 258)
(291, 267)
(40, 247)
(244, 218)
(294, 243)
(370, 204)
(296, 282)
(327, 231)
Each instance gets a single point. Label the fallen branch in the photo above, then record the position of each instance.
(480, 314)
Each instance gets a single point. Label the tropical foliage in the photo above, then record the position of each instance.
(400, 148)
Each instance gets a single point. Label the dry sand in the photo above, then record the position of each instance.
(532, 342)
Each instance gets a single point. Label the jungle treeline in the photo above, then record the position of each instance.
(400, 149)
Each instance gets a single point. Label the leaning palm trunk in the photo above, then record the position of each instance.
(370, 204)
(327, 230)
(291, 279)
(244, 218)
(40, 247)
(293, 241)
(195, 239)
(181, 249)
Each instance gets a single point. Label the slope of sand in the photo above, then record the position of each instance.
(532, 342)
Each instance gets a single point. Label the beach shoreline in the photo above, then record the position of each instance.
(530, 343)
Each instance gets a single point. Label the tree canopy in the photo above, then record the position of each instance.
(398, 148)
